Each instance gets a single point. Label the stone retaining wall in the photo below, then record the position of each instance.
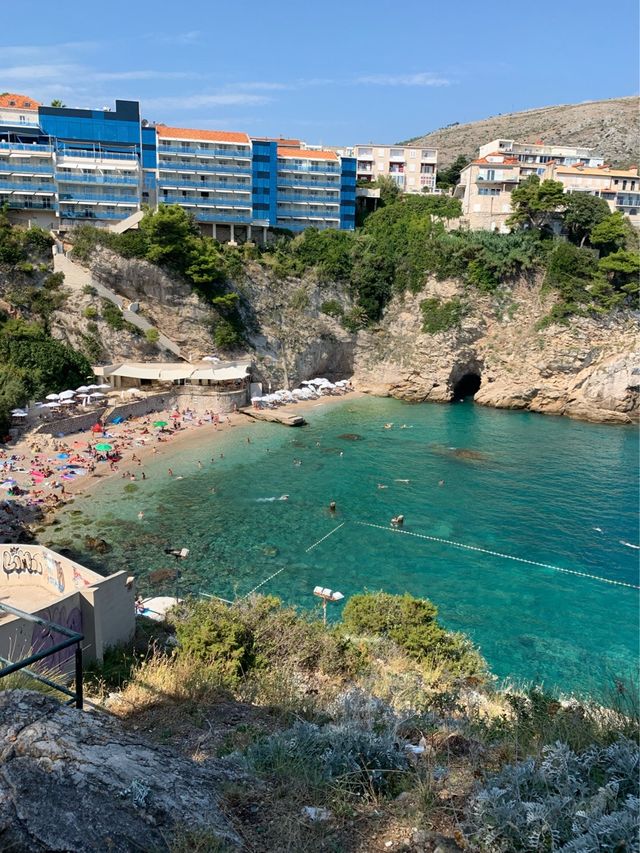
(74, 423)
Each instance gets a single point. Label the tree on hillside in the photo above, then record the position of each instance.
(611, 234)
(389, 189)
(582, 213)
(534, 203)
(450, 176)
(56, 102)
(169, 232)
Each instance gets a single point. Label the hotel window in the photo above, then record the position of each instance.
(412, 152)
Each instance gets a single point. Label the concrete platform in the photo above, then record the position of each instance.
(157, 608)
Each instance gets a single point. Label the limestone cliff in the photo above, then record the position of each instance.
(587, 369)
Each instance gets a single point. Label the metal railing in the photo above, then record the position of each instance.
(308, 199)
(73, 638)
(26, 167)
(73, 153)
(170, 183)
(176, 166)
(32, 188)
(25, 146)
(199, 151)
(214, 201)
(92, 198)
(69, 178)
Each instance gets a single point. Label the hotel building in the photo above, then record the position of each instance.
(60, 167)
(412, 167)
(486, 183)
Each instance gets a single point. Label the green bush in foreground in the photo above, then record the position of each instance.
(411, 623)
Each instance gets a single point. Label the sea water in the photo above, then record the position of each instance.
(547, 490)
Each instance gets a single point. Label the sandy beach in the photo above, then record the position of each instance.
(40, 474)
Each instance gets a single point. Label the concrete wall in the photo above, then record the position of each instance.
(75, 423)
(202, 399)
(64, 592)
(139, 408)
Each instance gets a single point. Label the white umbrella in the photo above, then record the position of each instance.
(210, 358)
(67, 395)
(51, 406)
(67, 402)
(318, 381)
(103, 385)
(52, 397)
(82, 389)
(92, 387)
(342, 382)
(97, 394)
(20, 414)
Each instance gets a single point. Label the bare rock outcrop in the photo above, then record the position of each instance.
(587, 369)
(74, 780)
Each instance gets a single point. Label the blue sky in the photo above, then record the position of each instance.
(329, 72)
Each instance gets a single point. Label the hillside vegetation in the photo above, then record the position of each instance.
(381, 731)
(611, 126)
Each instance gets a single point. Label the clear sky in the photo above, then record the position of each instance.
(329, 72)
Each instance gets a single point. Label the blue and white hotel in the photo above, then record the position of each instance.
(60, 167)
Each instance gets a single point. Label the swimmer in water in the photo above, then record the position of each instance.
(388, 426)
(170, 472)
(297, 461)
(140, 515)
(402, 481)
(441, 482)
(397, 520)
(630, 545)
(283, 498)
(332, 506)
(382, 486)
(199, 464)
(597, 529)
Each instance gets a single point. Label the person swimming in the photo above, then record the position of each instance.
(140, 515)
(397, 520)
(332, 506)
(402, 481)
(382, 486)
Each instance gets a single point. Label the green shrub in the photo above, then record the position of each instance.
(152, 336)
(89, 290)
(439, 316)
(54, 281)
(90, 312)
(25, 267)
(225, 335)
(299, 299)
(112, 315)
(411, 623)
(333, 308)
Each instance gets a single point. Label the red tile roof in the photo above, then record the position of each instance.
(508, 161)
(19, 102)
(307, 155)
(166, 132)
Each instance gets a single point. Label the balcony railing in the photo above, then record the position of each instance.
(25, 146)
(32, 188)
(93, 198)
(66, 213)
(202, 216)
(283, 166)
(67, 178)
(74, 153)
(23, 203)
(300, 214)
(307, 199)
(308, 185)
(202, 185)
(199, 167)
(19, 168)
(204, 202)
(198, 151)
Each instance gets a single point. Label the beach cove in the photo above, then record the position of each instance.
(549, 491)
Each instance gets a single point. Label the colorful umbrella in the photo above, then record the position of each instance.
(160, 424)
(97, 428)
(104, 447)
(176, 415)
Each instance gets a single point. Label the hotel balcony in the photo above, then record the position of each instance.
(204, 202)
(79, 178)
(307, 167)
(309, 185)
(15, 202)
(301, 213)
(200, 167)
(173, 184)
(204, 216)
(84, 154)
(20, 169)
(199, 151)
(25, 148)
(308, 199)
(74, 213)
(16, 186)
(80, 197)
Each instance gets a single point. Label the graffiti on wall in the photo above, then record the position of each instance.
(18, 560)
(44, 637)
(55, 573)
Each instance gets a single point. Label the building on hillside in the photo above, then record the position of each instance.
(540, 153)
(60, 167)
(620, 188)
(487, 182)
(412, 167)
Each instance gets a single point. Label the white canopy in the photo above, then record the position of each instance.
(67, 395)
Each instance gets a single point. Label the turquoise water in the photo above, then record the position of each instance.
(535, 487)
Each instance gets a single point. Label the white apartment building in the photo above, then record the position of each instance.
(540, 153)
(412, 167)
(487, 182)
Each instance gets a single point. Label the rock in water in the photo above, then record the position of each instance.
(94, 543)
(75, 780)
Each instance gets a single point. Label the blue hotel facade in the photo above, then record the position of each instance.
(60, 167)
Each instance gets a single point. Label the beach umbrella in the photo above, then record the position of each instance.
(52, 397)
(160, 424)
(92, 387)
(97, 428)
(67, 402)
(62, 455)
(51, 406)
(104, 446)
(175, 415)
(19, 414)
(97, 395)
(82, 389)
(66, 395)
(103, 386)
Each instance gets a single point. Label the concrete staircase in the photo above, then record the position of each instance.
(124, 224)
(78, 277)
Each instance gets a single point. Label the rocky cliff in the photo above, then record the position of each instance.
(587, 369)
(76, 780)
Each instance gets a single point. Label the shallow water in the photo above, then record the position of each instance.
(514, 483)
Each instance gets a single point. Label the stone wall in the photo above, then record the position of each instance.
(144, 406)
(202, 399)
(74, 423)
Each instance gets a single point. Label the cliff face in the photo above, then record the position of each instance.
(585, 370)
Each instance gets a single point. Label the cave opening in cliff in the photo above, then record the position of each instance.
(466, 386)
